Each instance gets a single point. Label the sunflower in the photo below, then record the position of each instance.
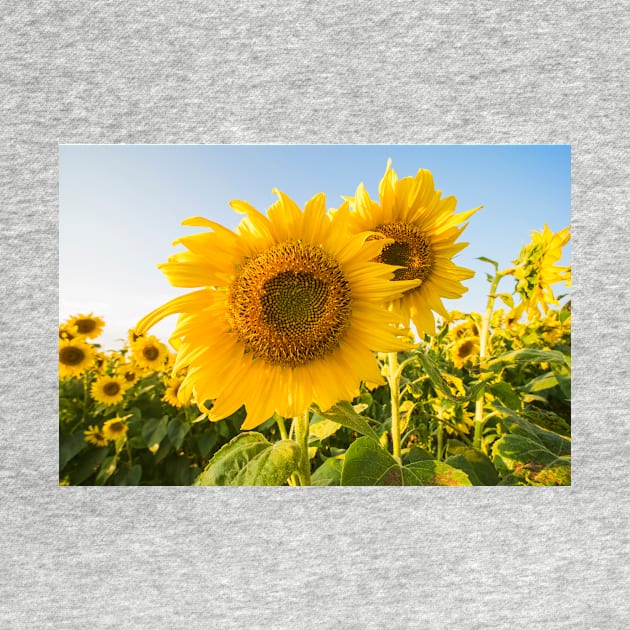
(94, 435)
(67, 332)
(536, 270)
(115, 428)
(466, 329)
(171, 392)
(75, 357)
(129, 371)
(149, 353)
(87, 326)
(424, 232)
(465, 350)
(108, 390)
(289, 313)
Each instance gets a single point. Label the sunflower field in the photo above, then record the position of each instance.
(315, 349)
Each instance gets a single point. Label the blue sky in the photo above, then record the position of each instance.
(121, 206)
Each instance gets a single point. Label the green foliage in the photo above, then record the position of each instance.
(250, 460)
(367, 463)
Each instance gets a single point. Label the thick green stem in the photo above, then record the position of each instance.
(393, 378)
(301, 436)
(483, 350)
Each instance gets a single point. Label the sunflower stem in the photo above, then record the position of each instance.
(483, 350)
(281, 427)
(393, 378)
(302, 424)
(440, 440)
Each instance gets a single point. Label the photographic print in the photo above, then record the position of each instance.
(315, 315)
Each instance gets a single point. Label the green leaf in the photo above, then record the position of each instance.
(530, 460)
(329, 473)
(489, 260)
(525, 355)
(107, 469)
(321, 428)
(434, 473)
(344, 414)
(153, 431)
(250, 460)
(513, 423)
(506, 394)
(70, 445)
(540, 383)
(474, 463)
(366, 463)
(440, 384)
(177, 431)
(87, 464)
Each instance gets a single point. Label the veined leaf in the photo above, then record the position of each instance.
(530, 460)
(250, 460)
(515, 424)
(366, 463)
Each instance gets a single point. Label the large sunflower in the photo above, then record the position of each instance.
(289, 314)
(87, 326)
(75, 357)
(424, 231)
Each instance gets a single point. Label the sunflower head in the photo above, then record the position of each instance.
(149, 353)
(115, 429)
(171, 392)
(75, 357)
(287, 312)
(87, 326)
(423, 230)
(536, 270)
(94, 435)
(109, 390)
(465, 350)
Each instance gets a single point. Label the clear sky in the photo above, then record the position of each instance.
(121, 207)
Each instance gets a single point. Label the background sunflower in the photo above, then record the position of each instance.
(424, 230)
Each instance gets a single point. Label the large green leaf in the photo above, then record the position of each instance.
(515, 424)
(344, 414)
(530, 460)
(474, 463)
(329, 473)
(366, 463)
(250, 460)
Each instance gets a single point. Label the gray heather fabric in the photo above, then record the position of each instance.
(278, 72)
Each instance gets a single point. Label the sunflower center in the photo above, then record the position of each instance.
(116, 427)
(150, 353)
(465, 349)
(411, 249)
(290, 305)
(85, 326)
(70, 355)
(111, 389)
